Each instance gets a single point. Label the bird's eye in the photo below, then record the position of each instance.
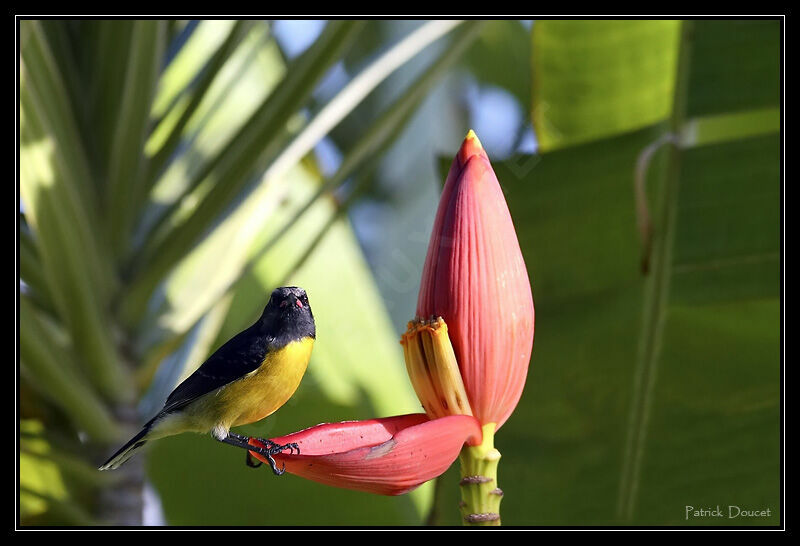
(283, 303)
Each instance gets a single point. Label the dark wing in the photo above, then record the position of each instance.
(241, 355)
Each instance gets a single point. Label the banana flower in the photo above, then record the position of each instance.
(466, 352)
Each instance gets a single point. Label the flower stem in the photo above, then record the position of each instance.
(480, 496)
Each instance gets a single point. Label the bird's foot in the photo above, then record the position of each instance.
(271, 449)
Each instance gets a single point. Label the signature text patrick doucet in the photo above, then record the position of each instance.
(732, 512)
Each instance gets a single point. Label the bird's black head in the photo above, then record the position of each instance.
(287, 316)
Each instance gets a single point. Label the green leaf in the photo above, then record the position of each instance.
(70, 466)
(188, 62)
(727, 240)
(44, 362)
(249, 151)
(593, 79)
(62, 47)
(39, 509)
(125, 176)
(105, 44)
(213, 265)
(376, 139)
(724, 127)
(30, 269)
(736, 67)
(217, 262)
(45, 495)
(56, 190)
(337, 108)
(196, 92)
(706, 254)
(47, 119)
(40, 481)
(244, 82)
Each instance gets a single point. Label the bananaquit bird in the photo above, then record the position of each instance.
(244, 381)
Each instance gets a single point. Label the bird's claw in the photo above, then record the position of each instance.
(274, 447)
(251, 462)
(292, 447)
(271, 449)
(273, 465)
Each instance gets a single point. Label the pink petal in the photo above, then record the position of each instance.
(475, 278)
(388, 456)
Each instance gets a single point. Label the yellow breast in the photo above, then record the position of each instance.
(266, 389)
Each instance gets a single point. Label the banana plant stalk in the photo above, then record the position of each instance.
(466, 352)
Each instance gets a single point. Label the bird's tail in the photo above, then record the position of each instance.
(126, 452)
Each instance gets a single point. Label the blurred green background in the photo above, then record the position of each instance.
(172, 173)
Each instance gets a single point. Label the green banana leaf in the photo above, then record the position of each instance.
(594, 79)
